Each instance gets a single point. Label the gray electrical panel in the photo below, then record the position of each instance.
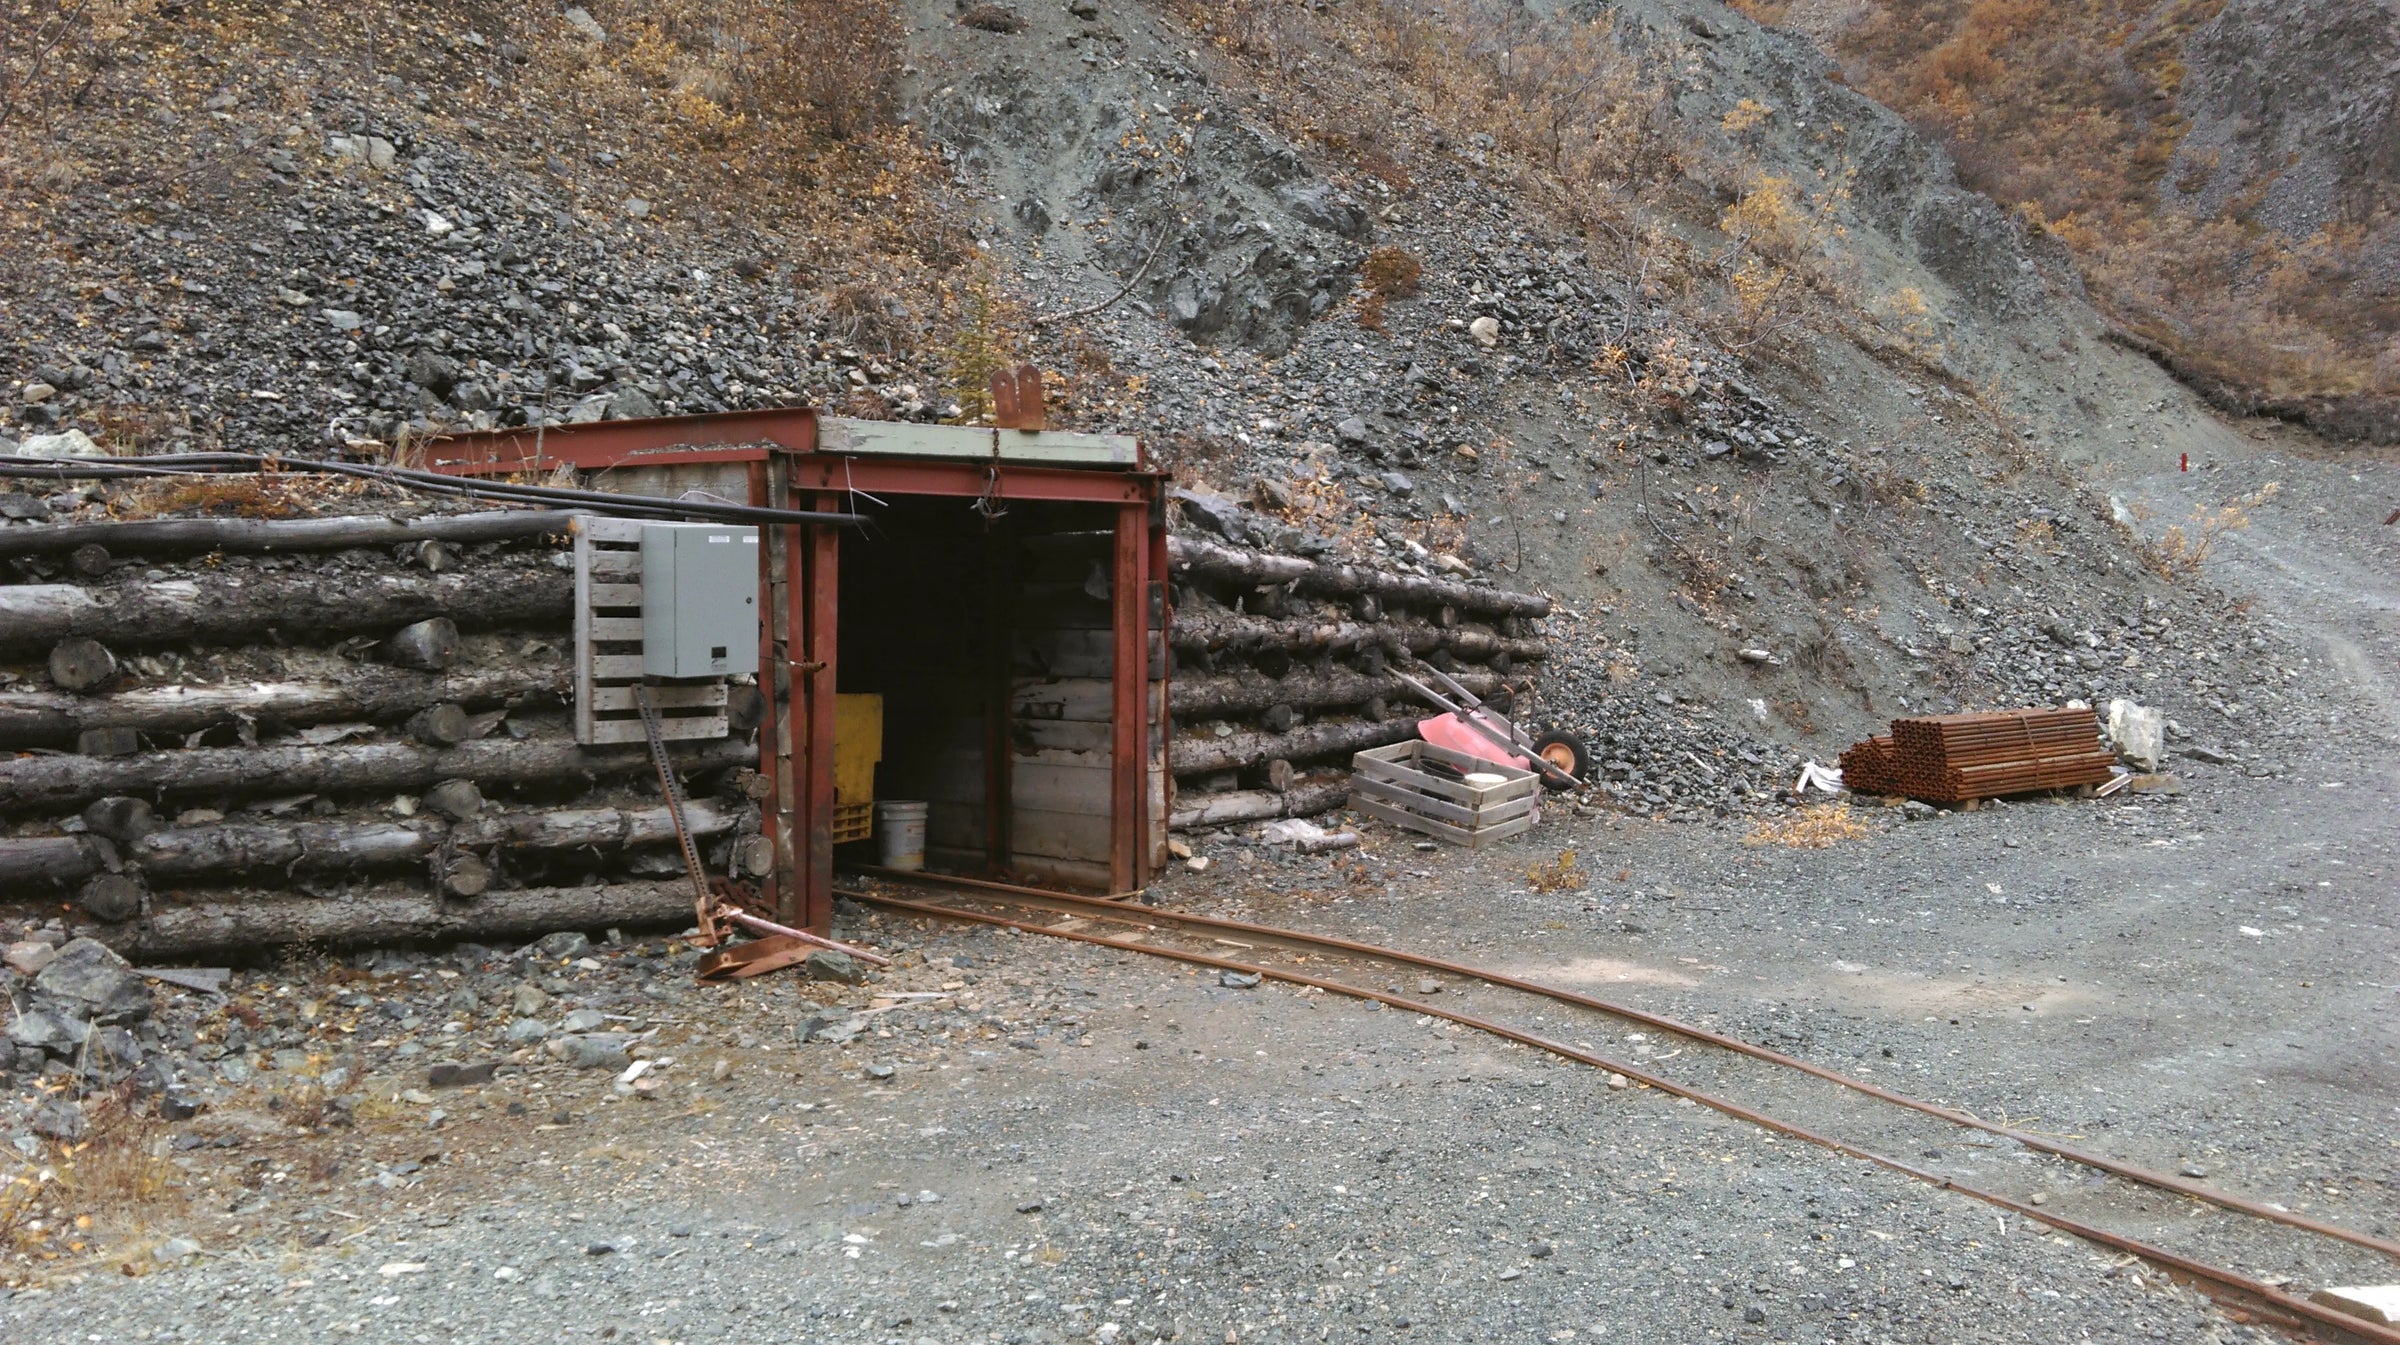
(699, 600)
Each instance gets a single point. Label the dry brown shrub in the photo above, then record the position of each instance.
(1818, 827)
(1392, 272)
(992, 19)
(828, 69)
(1561, 874)
(2069, 113)
(110, 1185)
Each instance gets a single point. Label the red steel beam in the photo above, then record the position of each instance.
(912, 476)
(791, 744)
(1129, 647)
(728, 436)
(771, 721)
(824, 545)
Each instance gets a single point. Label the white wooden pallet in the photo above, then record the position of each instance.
(608, 646)
(1387, 782)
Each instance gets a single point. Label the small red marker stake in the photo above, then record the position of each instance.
(2187, 462)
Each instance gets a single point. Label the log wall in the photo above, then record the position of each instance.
(234, 732)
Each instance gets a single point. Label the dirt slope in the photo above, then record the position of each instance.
(1761, 377)
(2224, 171)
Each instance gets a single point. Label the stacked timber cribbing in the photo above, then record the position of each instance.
(1959, 758)
(1285, 667)
(221, 733)
(225, 733)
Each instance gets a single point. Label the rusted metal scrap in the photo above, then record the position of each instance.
(776, 947)
(1955, 759)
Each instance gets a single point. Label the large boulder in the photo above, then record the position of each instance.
(89, 982)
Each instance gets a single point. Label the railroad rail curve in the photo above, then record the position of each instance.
(2248, 1297)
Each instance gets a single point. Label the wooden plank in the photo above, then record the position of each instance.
(1062, 788)
(1494, 835)
(1470, 818)
(956, 776)
(601, 528)
(620, 699)
(1084, 699)
(955, 826)
(1402, 797)
(1401, 817)
(1416, 781)
(616, 667)
(1065, 653)
(616, 629)
(1057, 835)
(1054, 448)
(583, 665)
(607, 564)
(615, 595)
(673, 730)
(1070, 757)
(1396, 763)
(1066, 872)
(1041, 735)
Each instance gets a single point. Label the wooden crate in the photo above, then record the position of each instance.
(1391, 783)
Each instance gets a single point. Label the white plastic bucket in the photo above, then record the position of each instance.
(900, 832)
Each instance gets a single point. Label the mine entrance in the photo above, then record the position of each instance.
(983, 646)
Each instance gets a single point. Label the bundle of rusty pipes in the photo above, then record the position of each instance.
(1957, 758)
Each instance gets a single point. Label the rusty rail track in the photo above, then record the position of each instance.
(2247, 1298)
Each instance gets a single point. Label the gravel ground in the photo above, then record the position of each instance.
(1091, 1145)
(1168, 1158)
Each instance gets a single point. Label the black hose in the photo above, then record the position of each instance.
(435, 483)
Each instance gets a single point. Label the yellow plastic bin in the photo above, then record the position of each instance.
(857, 748)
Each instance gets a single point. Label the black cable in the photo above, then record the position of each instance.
(436, 483)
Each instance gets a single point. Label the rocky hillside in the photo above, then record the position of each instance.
(2226, 171)
(1647, 310)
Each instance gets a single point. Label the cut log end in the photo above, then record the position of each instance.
(82, 664)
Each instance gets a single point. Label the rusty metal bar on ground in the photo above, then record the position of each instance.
(2232, 1287)
(1315, 942)
(768, 927)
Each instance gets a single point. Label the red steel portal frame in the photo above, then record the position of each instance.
(800, 587)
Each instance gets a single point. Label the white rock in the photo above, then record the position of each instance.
(68, 444)
(1486, 331)
(581, 20)
(437, 226)
(28, 957)
(2375, 1302)
(175, 1249)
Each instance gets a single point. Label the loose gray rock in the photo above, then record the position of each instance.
(827, 964)
(591, 1050)
(112, 898)
(564, 946)
(60, 1119)
(89, 981)
(40, 1030)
